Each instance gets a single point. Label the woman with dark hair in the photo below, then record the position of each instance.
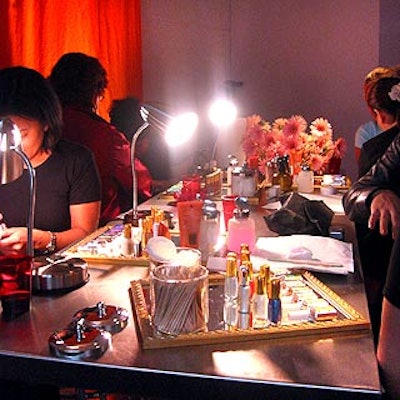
(80, 82)
(68, 186)
(385, 110)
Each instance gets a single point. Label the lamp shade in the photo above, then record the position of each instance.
(176, 130)
(11, 164)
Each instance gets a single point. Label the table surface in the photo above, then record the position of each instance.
(337, 366)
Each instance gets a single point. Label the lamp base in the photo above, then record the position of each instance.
(59, 277)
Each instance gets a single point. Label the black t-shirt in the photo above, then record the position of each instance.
(69, 176)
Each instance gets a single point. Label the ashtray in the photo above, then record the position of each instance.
(61, 275)
(79, 341)
(101, 316)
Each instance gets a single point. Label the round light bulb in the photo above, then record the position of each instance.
(181, 129)
(222, 113)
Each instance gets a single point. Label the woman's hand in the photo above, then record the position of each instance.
(13, 240)
(385, 210)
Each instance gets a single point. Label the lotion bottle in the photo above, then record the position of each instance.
(241, 228)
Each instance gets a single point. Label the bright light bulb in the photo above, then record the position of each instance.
(181, 129)
(222, 113)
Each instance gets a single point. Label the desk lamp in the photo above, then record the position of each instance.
(176, 131)
(12, 160)
(222, 113)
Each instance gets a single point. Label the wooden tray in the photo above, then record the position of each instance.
(349, 320)
(93, 248)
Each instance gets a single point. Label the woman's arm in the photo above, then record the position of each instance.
(84, 220)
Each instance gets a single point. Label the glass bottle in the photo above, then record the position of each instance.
(274, 303)
(305, 180)
(231, 292)
(241, 228)
(282, 176)
(260, 303)
(209, 230)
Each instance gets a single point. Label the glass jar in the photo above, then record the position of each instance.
(305, 180)
(282, 176)
(179, 299)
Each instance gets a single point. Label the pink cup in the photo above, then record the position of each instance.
(228, 205)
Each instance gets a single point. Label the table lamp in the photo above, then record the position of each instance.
(222, 113)
(176, 131)
(12, 160)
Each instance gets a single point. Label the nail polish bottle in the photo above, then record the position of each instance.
(231, 292)
(231, 278)
(244, 298)
(260, 303)
(274, 303)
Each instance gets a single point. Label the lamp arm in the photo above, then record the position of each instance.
(134, 176)
(32, 200)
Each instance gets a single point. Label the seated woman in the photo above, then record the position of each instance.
(80, 82)
(68, 189)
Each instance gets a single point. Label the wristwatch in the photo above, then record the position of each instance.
(52, 245)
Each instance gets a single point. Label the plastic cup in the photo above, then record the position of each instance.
(228, 206)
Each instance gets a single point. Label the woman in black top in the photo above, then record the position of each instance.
(68, 185)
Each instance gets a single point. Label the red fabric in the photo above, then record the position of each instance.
(112, 153)
(36, 33)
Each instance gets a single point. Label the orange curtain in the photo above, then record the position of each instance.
(35, 33)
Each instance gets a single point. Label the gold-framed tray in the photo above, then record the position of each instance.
(101, 246)
(347, 319)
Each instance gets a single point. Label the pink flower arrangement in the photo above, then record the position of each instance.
(314, 147)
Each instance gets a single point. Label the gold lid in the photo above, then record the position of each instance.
(259, 284)
(127, 231)
(158, 216)
(244, 254)
(265, 271)
(232, 254)
(231, 266)
(275, 288)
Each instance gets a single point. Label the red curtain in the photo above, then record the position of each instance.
(35, 33)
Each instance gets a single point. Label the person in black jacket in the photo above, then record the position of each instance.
(374, 242)
(374, 200)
